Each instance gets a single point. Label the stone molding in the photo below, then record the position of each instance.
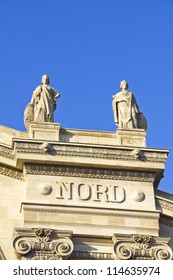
(166, 220)
(90, 212)
(42, 244)
(111, 174)
(94, 152)
(128, 247)
(162, 204)
(6, 152)
(11, 172)
(77, 255)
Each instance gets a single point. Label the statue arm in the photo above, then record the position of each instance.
(118, 98)
(55, 94)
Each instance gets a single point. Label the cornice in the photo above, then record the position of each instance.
(6, 152)
(168, 221)
(73, 150)
(163, 204)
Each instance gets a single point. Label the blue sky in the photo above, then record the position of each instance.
(87, 47)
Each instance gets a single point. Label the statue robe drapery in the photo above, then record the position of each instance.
(125, 110)
(44, 100)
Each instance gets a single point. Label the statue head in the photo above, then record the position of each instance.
(45, 79)
(124, 84)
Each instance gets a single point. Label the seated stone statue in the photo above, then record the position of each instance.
(126, 110)
(43, 103)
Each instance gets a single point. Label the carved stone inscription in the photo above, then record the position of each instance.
(94, 192)
(90, 192)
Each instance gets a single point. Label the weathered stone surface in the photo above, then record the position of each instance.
(90, 192)
(89, 220)
(131, 137)
(44, 131)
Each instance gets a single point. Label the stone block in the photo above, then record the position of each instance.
(44, 131)
(131, 137)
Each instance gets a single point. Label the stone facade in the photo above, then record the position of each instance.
(77, 194)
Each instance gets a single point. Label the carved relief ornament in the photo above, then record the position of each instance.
(128, 247)
(164, 204)
(111, 174)
(42, 244)
(11, 172)
(6, 152)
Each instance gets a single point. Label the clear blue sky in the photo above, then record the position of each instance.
(87, 47)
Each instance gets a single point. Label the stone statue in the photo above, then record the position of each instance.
(43, 103)
(126, 110)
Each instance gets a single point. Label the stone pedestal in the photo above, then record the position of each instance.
(131, 137)
(44, 131)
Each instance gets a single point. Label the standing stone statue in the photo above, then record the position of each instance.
(126, 110)
(43, 103)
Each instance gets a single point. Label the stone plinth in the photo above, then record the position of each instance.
(131, 137)
(44, 131)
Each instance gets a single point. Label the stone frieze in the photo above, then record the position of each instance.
(11, 172)
(111, 174)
